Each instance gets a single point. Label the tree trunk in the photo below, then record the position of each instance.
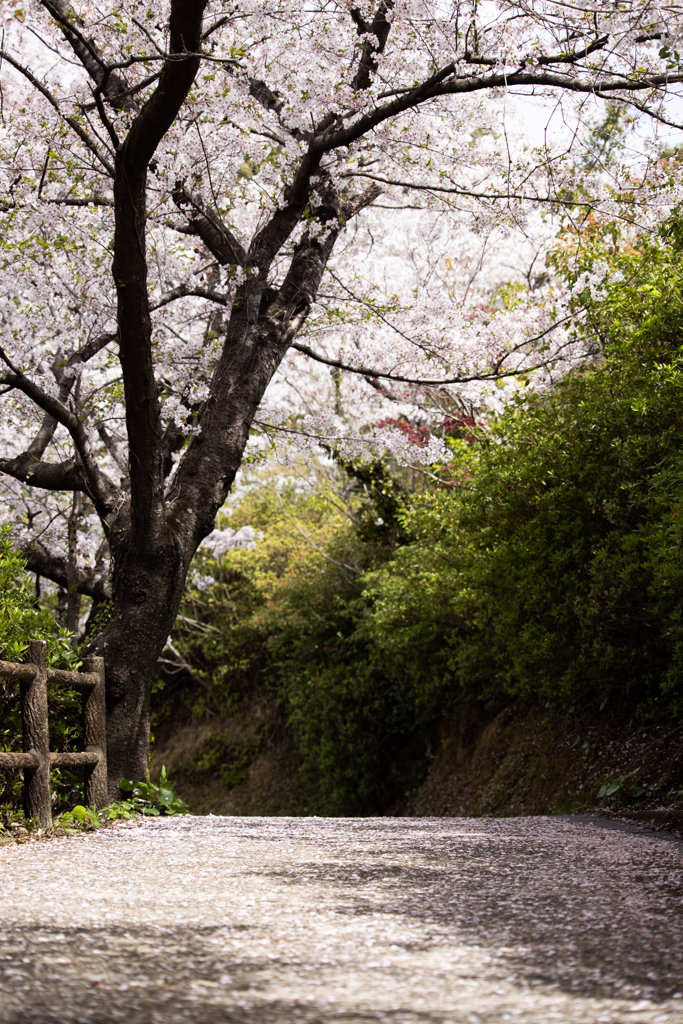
(152, 550)
(147, 590)
(149, 561)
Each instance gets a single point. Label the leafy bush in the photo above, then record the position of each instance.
(289, 618)
(146, 798)
(551, 572)
(20, 620)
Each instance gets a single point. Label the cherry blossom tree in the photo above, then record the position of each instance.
(208, 210)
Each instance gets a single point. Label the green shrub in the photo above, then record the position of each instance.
(289, 617)
(20, 620)
(147, 798)
(552, 570)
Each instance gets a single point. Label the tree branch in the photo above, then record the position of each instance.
(66, 379)
(362, 201)
(93, 201)
(109, 443)
(288, 308)
(184, 289)
(88, 581)
(51, 476)
(376, 375)
(177, 75)
(68, 201)
(558, 58)
(71, 121)
(111, 85)
(555, 81)
(489, 196)
(380, 29)
(101, 489)
(442, 83)
(216, 236)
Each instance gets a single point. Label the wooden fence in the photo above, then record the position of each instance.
(37, 760)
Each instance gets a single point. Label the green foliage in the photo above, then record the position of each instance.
(78, 819)
(551, 572)
(15, 826)
(612, 786)
(224, 757)
(20, 620)
(348, 714)
(548, 571)
(290, 618)
(146, 798)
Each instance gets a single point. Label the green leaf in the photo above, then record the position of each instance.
(611, 786)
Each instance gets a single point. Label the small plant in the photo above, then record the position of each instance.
(118, 809)
(80, 819)
(143, 798)
(14, 826)
(146, 798)
(611, 786)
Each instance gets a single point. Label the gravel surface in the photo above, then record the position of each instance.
(235, 920)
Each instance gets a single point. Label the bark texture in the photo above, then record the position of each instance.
(37, 803)
(95, 736)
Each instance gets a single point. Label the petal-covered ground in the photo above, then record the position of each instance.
(236, 920)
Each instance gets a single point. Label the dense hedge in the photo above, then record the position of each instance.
(552, 570)
(290, 617)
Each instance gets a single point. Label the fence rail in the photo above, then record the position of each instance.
(37, 759)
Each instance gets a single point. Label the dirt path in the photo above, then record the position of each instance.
(235, 920)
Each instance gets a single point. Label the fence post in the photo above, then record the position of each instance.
(34, 723)
(95, 735)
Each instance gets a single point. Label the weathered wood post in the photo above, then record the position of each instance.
(34, 721)
(95, 735)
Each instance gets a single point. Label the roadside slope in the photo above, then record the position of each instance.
(517, 762)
